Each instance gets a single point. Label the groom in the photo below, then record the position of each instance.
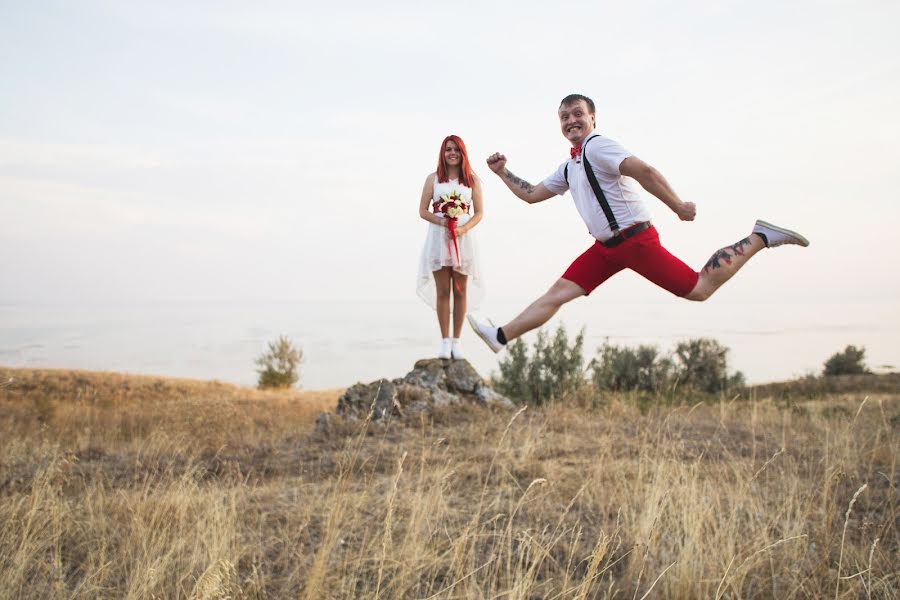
(600, 173)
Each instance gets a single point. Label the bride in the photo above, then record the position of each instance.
(449, 266)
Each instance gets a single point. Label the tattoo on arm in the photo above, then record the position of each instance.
(519, 182)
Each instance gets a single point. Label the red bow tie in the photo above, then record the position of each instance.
(575, 151)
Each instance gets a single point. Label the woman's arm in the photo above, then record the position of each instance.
(477, 208)
(425, 202)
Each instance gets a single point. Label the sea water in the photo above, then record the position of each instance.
(345, 342)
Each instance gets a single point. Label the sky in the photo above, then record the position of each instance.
(212, 151)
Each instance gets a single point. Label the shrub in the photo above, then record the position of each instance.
(554, 367)
(513, 378)
(621, 368)
(698, 364)
(702, 364)
(278, 366)
(849, 362)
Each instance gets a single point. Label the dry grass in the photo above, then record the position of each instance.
(132, 487)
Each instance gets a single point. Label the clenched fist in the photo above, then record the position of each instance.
(687, 211)
(496, 162)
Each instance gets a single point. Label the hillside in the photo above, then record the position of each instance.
(117, 486)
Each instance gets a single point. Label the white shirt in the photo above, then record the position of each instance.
(605, 156)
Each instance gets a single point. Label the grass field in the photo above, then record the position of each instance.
(115, 486)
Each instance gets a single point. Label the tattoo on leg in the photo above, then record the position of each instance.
(714, 261)
(519, 181)
(738, 248)
(723, 255)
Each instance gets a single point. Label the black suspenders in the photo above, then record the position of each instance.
(595, 185)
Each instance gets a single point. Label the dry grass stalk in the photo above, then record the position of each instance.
(837, 586)
(869, 569)
(655, 581)
(388, 523)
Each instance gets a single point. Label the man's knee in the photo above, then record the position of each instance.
(700, 292)
(562, 291)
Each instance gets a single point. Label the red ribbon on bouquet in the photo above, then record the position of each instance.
(451, 225)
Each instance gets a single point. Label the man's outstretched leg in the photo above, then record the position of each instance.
(727, 261)
(538, 313)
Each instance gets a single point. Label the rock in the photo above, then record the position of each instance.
(432, 382)
(491, 398)
(409, 394)
(327, 423)
(418, 408)
(441, 398)
(323, 423)
(379, 397)
(462, 377)
(427, 373)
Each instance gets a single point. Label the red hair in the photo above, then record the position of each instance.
(466, 176)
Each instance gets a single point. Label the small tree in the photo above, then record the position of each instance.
(564, 363)
(278, 366)
(849, 362)
(513, 378)
(554, 367)
(702, 364)
(621, 368)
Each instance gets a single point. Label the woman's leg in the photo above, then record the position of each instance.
(459, 302)
(443, 282)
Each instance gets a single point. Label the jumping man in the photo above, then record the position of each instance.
(601, 174)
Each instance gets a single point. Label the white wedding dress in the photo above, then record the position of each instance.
(439, 251)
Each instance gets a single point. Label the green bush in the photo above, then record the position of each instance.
(621, 368)
(552, 368)
(278, 366)
(514, 366)
(699, 364)
(702, 364)
(849, 362)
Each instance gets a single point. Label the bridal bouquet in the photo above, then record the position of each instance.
(452, 206)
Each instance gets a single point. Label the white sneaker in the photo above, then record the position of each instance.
(777, 236)
(456, 352)
(445, 348)
(487, 332)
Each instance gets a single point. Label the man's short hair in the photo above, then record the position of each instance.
(573, 98)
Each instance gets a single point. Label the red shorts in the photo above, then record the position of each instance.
(643, 254)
